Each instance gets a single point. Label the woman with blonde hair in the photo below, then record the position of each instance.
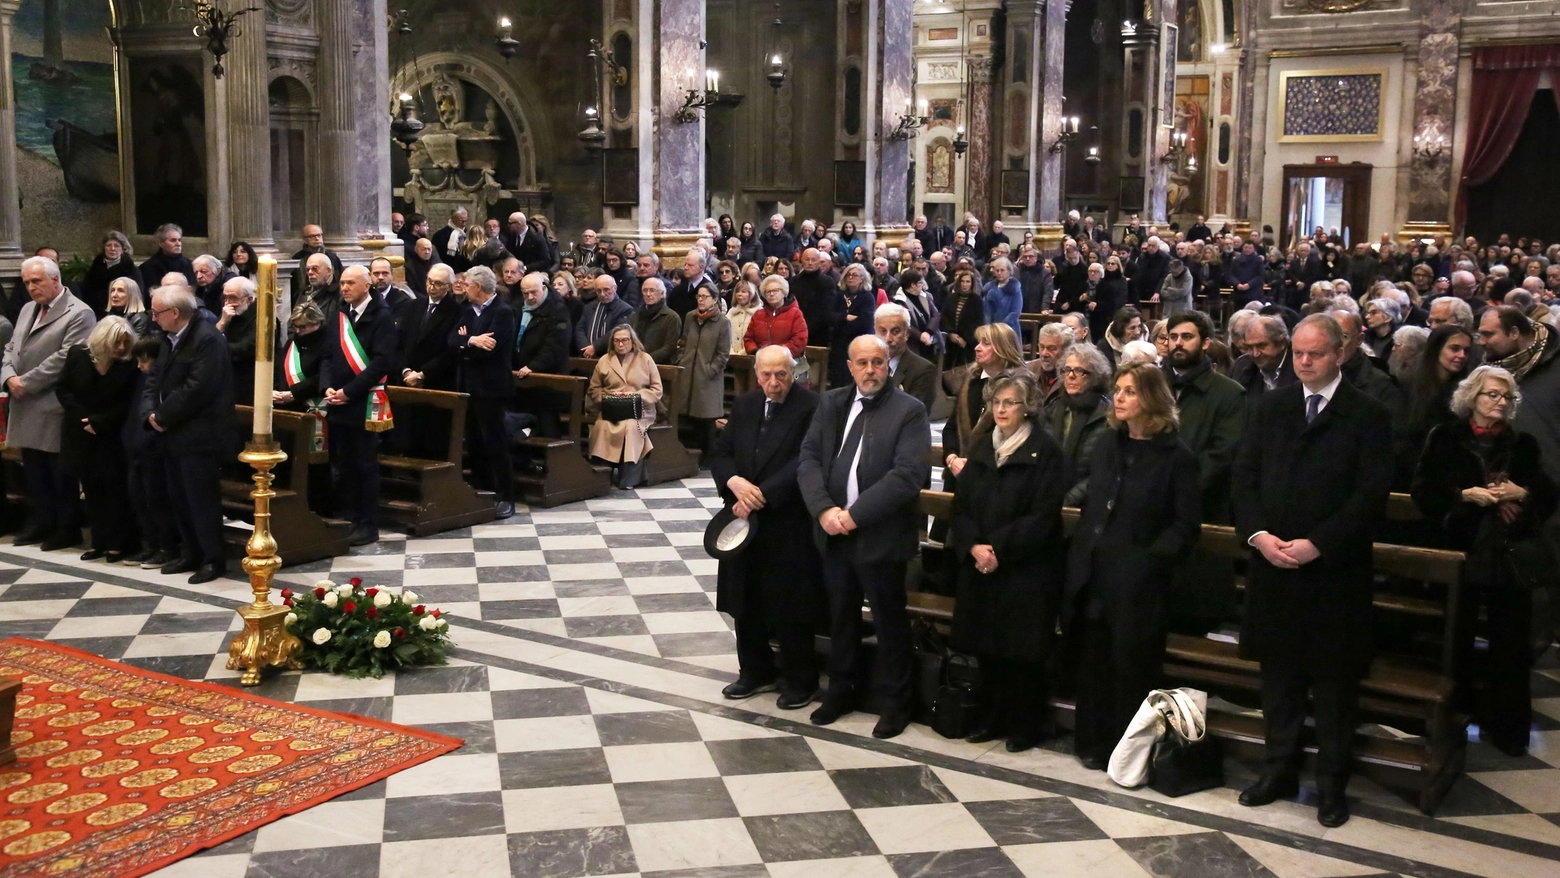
(996, 353)
(623, 374)
(744, 302)
(124, 300)
(96, 389)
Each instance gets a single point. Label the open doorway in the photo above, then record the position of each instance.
(1335, 197)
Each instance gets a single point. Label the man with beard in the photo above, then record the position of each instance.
(321, 287)
(1050, 353)
(818, 295)
(384, 287)
(416, 227)
(313, 242)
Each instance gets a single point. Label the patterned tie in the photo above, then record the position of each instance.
(1313, 405)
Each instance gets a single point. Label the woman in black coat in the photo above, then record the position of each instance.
(298, 388)
(96, 390)
(962, 311)
(853, 317)
(1446, 360)
(1079, 415)
(1140, 515)
(1482, 481)
(1007, 534)
(115, 260)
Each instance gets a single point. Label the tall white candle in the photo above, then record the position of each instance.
(265, 343)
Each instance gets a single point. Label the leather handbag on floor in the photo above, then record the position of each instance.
(622, 407)
(958, 697)
(1186, 759)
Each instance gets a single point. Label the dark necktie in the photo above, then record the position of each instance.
(43, 311)
(839, 473)
(769, 410)
(1313, 406)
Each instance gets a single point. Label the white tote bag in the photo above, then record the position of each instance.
(1186, 709)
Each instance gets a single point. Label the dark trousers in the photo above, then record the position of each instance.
(1116, 671)
(51, 492)
(487, 447)
(195, 487)
(104, 483)
(354, 461)
(1334, 702)
(1013, 696)
(153, 508)
(756, 659)
(420, 431)
(883, 586)
(1506, 715)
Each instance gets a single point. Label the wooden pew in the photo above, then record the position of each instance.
(1406, 692)
(818, 363)
(301, 534)
(670, 459)
(430, 495)
(552, 471)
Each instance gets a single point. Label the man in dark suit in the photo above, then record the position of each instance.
(382, 283)
(169, 256)
(1304, 268)
(426, 361)
(359, 355)
(594, 329)
(190, 399)
(542, 346)
(482, 340)
(684, 296)
(1311, 485)
(907, 370)
(416, 226)
(527, 243)
(447, 241)
(861, 470)
(238, 322)
(1265, 364)
(773, 586)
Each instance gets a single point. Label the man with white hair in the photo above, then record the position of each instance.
(483, 343)
(239, 323)
(1450, 309)
(775, 240)
(448, 240)
(209, 280)
(322, 289)
(169, 255)
(48, 326)
(359, 355)
(907, 370)
(1153, 265)
(1079, 325)
(684, 297)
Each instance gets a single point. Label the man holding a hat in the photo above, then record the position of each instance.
(769, 576)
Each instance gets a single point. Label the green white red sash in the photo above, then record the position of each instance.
(377, 418)
(292, 369)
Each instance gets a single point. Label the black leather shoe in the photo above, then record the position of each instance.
(92, 554)
(1093, 762)
(207, 573)
(363, 535)
(1270, 789)
(830, 710)
(505, 509)
(180, 565)
(157, 559)
(29, 536)
(61, 540)
(797, 700)
(113, 557)
(1020, 743)
(891, 724)
(1332, 809)
(745, 688)
(982, 735)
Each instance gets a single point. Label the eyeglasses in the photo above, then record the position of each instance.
(1497, 396)
(159, 311)
(1074, 372)
(1005, 403)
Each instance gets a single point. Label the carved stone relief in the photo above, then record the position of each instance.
(295, 12)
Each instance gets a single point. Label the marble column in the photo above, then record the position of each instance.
(10, 208)
(888, 160)
(371, 103)
(249, 136)
(977, 192)
(1435, 110)
(1138, 81)
(1158, 134)
(679, 146)
(337, 128)
(1046, 196)
(1248, 198)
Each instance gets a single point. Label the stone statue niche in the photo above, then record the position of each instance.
(464, 158)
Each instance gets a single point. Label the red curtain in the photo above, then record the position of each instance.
(1505, 78)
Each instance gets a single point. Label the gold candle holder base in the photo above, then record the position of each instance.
(265, 641)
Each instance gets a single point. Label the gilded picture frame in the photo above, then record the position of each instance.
(1350, 87)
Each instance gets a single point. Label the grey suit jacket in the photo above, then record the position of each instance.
(36, 354)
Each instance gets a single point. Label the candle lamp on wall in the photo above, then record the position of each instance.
(776, 71)
(1067, 134)
(507, 45)
(696, 100)
(910, 123)
(960, 142)
(1177, 149)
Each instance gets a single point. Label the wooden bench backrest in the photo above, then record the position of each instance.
(672, 378)
(573, 385)
(454, 403)
(294, 432)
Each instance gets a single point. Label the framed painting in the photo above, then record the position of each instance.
(1347, 104)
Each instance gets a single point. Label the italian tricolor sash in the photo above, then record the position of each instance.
(378, 417)
(292, 368)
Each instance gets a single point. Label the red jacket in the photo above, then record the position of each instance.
(782, 327)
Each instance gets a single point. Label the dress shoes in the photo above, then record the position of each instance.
(363, 535)
(1093, 762)
(745, 687)
(92, 554)
(505, 509)
(156, 560)
(1020, 743)
(29, 536)
(207, 573)
(113, 557)
(891, 723)
(1332, 809)
(1270, 789)
(982, 735)
(797, 700)
(180, 565)
(62, 540)
(830, 710)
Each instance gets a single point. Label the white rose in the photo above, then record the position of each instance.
(383, 599)
(382, 640)
(330, 600)
(325, 584)
(345, 589)
(443, 623)
(321, 636)
(428, 623)
(408, 597)
(291, 618)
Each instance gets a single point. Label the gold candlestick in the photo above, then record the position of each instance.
(265, 640)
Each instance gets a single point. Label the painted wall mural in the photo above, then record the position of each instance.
(1188, 187)
(168, 123)
(1332, 105)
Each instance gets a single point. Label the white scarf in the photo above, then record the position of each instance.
(1006, 445)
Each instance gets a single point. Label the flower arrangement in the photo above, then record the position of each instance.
(362, 632)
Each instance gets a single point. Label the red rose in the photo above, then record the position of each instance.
(320, 593)
(437, 613)
(356, 581)
(287, 602)
(286, 592)
(373, 613)
(371, 592)
(417, 610)
(399, 634)
(348, 608)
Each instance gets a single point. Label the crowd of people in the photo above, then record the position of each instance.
(1177, 379)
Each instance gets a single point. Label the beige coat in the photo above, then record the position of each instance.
(706, 346)
(628, 441)
(740, 318)
(37, 354)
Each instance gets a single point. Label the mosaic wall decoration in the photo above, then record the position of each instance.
(1332, 105)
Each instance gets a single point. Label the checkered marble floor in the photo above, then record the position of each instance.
(586, 686)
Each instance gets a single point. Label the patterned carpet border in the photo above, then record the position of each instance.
(121, 771)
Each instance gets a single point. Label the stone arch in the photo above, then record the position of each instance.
(511, 97)
(294, 118)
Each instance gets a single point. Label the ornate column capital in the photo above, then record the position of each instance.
(981, 68)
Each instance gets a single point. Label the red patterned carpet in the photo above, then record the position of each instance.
(121, 771)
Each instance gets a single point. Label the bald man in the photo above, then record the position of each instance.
(360, 354)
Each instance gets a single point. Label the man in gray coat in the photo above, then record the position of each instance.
(861, 470)
(46, 329)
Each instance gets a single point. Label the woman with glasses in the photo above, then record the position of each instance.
(1078, 416)
(727, 277)
(115, 260)
(1483, 482)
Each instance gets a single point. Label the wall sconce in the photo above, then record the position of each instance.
(959, 143)
(1092, 157)
(1177, 149)
(507, 44)
(909, 124)
(696, 100)
(216, 28)
(776, 72)
(1068, 134)
(1218, 48)
(1429, 146)
(602, 55)
(1129, 28)
(592, 135)
(406, 127)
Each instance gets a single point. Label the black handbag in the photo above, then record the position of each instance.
(1178, 766)
(624, 407)
(958, 697)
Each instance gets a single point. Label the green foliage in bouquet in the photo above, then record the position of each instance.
(363, 632)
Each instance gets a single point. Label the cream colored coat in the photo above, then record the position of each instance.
(625, 440)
